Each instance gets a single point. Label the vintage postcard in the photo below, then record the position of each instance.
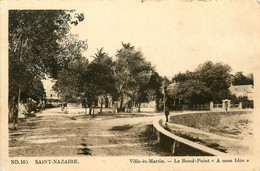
(130, 85)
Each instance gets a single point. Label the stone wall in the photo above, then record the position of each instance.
(203, 119)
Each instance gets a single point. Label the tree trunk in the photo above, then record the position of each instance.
(16, 111)
(149, 106)
(164, 103)
(157, 104)
(101, 106)
(90, 109)
(139, 107)
(121, 103)
(93, 112)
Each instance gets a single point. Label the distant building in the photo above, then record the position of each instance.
(106, 102)
(243, 90)
(51, 95)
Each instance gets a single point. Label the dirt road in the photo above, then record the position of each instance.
(54, 133)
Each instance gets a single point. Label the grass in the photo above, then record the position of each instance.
(121, 128)
(215, 146)
(150, 138)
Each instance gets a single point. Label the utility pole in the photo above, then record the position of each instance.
(164, 97)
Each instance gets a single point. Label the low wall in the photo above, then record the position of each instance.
(202, 119)
(77, 110)
(147, 109)
(179, 146)
(26, 109)
(142, 109)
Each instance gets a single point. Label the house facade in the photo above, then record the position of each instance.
(243, 90)
(51, 95)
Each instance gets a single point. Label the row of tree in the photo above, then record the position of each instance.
(40, 44)
(129, 76)
(209, 82)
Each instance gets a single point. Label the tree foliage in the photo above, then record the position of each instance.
(100, 76)
(132, 72)
(34, 47)
(71, 80)
(154, 84)
(216, 76)
(70, 48)
(240, 79)
(34, 50)
(209, 82)
(87, 80)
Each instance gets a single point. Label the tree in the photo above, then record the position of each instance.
(172, 95)
(217, 78)
(132, 72)
(209, 82)
(100, 77)
(154, 83)
(182, 77)
(240, 79)
(151, 95)
(193, 92)
(34, 36)
(33, 46)
(71, 82)
(73, 67)
(70, 48)
(84, 80)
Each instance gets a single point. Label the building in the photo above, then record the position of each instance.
(51, 96)
(243, 90)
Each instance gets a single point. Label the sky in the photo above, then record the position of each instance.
(176, 36)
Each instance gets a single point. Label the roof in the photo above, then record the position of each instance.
(240, 88)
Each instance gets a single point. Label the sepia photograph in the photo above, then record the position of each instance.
(149, 78)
